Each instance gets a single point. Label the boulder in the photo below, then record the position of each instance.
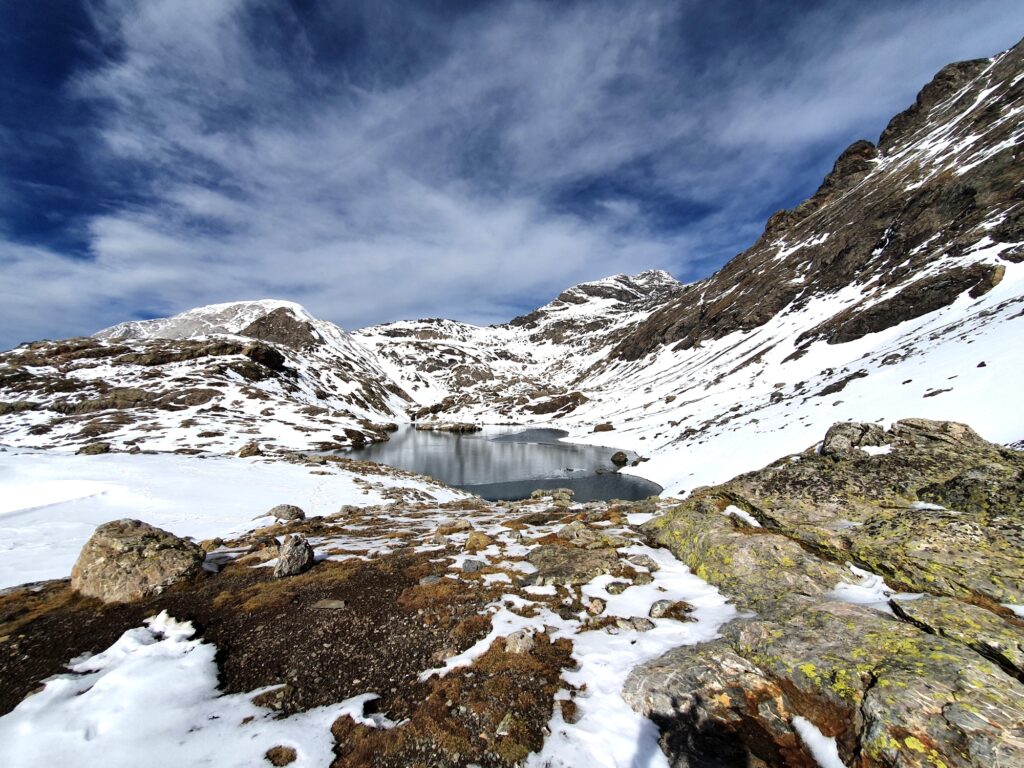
(478, 540)
(845, 438)
(294, 557)
(128, 560)
(287, 513)
(886, 691)
(93, 449)
(569, 565)
(250, 449)
(522, 641)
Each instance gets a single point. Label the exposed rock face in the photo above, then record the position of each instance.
(281, 326)
(127, 560)
(939, 683)
(294, 557)
(880, 213)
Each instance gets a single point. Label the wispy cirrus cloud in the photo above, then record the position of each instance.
(375, 161)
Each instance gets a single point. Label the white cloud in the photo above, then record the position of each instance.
(435, 193)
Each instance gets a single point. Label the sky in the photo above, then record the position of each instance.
(381, 160)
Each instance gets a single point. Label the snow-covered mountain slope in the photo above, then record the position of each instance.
(528, 367)
(896, 290)
(210, 379)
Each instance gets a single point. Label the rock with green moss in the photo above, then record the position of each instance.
(941, 512)
(890, 694)
(752, 566)
(934, 509)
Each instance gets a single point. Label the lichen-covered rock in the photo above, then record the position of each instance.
(943, 512)
(938, 511)
(754, 569)
(883, 689)
(294, 557)
(128, 560)
(996, 638)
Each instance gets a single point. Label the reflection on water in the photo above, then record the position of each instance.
(503, 463)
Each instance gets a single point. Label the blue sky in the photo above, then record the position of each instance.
(384, 160)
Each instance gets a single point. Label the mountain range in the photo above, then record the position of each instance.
(896, 290)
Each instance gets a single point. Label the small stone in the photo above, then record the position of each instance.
(472, 566)
(643, 578)
(426, 581)
(619, 458)
(437, 538)
(520, 642)
(508, 722)
(640, 624)
(596, 606)
(329, 605)
(617, 587)
(645, 561)
(671, 609)
(294, 557)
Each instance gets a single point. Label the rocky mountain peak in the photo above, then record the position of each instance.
(939, 192)
(260, 316)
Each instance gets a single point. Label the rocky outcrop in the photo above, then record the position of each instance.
(128, 560)
(935, 682)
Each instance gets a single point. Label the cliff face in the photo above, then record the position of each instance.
(940, 191)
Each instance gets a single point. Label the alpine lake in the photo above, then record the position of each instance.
(508, 463)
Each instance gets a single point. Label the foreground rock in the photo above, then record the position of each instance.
(294, 557)
(937, 684)
(128, 560)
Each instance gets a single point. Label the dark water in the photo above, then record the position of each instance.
(510, 463)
